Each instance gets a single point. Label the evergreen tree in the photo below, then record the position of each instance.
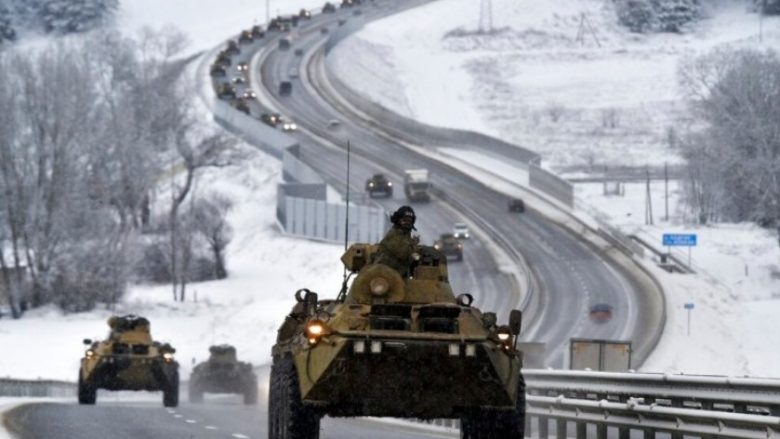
(636, 15)
(770, 7)
(674, 14)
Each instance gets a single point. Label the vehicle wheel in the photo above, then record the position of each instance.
(288, 418)
(250, 394)
(195, 394)
(87, 393)
(171, 392)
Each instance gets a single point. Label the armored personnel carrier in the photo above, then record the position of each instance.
(128, 360)
(223, 373)
(398, 347)
(378, 185)
(449, 246)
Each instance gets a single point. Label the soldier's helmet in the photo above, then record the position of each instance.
(403, 211)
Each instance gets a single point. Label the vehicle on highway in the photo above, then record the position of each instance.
(347, 3)
(394, 347)
(284, 44)
(292, 72)
(258, 31)
(285, 88)
(242, 106)
(516, 205)
(246, 37)
(271, 119)
(461, 231)
(379, 185)
(324, 30)
(334, 124)
(342, 21)
(449, 246)
(305, 14)
(128, 360)
(328, 7)
(232, 48)
(238, 79)
(287, 124)
(248, 94)
(226, 91)
(243, 66)
(217, 70)
(299, 52)
(224, 59)
(223, 373)
(417, 185)
(601, 312)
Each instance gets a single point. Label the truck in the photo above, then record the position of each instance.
(417, 185)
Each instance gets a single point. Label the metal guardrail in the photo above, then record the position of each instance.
(36, 388)
(701, 406)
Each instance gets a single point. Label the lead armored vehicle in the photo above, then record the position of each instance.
(379, 185)
(223, 373)
(128, 359)
(449, 246)
(396, 347)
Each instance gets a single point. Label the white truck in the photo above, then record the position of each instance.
(417, 185)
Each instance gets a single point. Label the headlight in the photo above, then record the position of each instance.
(379, 286)
(390, 183)
(371, 184)
(436, 246)
(168, 357)
(89, 353)
(503, 334)
(315, 329)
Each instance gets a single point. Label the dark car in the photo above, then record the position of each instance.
(243, 66)
(449, 246)
(284, 44)
(257, 31)
(328, 7)
(223, 59)
(232, 48)
(601, 312)
(298, 52)
(226, 91)
(271, 119)
(241, 105)
(516, 205)
(246, 37)
(218, 70)
(379, 185)
(285, 88)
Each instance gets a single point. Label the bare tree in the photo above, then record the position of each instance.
(210, 221)
(736, 95)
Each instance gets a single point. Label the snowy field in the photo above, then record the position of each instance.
(511, 86)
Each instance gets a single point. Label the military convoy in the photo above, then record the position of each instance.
(379, 185)
(449, 246)
(223, 373)
(397, 347)
(128, 360)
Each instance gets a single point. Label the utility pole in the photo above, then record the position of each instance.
(586, 27)
(267, 12)
(648, 201)
(666, 192)
(486, 16)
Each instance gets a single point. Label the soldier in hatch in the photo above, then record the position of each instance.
(398, 245)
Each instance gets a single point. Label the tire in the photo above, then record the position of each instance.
(288, 418)
(494, 424)
(171, 391)
(87, 393)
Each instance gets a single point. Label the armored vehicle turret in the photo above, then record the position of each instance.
(128, 359)
(223, 373)
(397, 347)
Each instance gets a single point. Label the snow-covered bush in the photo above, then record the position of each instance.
(637, 15)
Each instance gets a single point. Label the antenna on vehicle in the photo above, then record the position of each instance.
(343, 291)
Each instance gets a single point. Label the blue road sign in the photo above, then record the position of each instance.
(688, 306)
(679, 239)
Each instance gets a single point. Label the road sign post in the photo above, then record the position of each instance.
(680, 240)
(688, 307)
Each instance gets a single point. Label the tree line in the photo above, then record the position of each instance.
(92, 133)
(53, 16)
(644, 16)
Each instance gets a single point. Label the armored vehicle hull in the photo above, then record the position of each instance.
(396, 347)
(223, 373)
(128, 360)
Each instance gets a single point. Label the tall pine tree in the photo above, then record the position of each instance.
(67, 16)
(7, 30)
(674, 14)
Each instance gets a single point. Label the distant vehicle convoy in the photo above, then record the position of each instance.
(417, 185)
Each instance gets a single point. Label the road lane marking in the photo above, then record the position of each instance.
(190, 421)
(178, 416)
(210, 427)
(239, 436)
